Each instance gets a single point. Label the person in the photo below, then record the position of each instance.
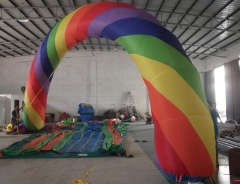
(15, 118)
(215, 116)
(149, 119)
(214, 113)
(125, 114)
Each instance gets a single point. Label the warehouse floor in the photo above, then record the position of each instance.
(221, 176)
(109, 170)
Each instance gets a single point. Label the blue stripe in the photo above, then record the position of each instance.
(134, 26)
(173, 176)
(45, 62)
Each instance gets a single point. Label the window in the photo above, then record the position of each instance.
(220, 94)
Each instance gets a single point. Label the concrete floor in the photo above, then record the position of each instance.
(109, 170)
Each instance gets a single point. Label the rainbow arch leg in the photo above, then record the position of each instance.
(183, 129)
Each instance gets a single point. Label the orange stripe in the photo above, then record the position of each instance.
(117, 139)
(36, 141)
(71, 30)
(52, 142)
(180, 134)
(36, 104)
(36, 87)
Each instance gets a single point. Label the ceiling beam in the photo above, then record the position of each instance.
(193, 15)
(222, 8)
(225, 46)
(13, 27)
(24, 26)
(108, 45)
(202, 27)
(213, 55)
(27, 1)
(159, 11)
(146, 5)
(202, 46)
(12, 36)
(39, 41)
(49, 10)
(185, 15)
(4, 44)
(195, 19)
(168, 23)
(172, 11)
(231, 14)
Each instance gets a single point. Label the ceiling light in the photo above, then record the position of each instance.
(23, 20)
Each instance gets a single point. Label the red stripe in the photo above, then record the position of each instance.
(173, 130)
(164, 150)
(71, 30)
(117, 139)
(33, 96)
(52, 142)
(36, 86)
(36, 141)
(85, 21)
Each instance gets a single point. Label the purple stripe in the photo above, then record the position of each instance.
(40, 75)
(115, 14)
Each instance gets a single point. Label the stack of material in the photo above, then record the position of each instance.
(73, 140)
(234, 161)
(229, 129)
(109, 114)
(49, 117)
(86, 112)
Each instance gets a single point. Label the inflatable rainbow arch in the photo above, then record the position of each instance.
(183, 129)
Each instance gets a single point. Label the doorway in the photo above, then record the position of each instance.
(220, 93)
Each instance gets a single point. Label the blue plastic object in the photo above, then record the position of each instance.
(86, 117)
(86, 112)
(82, 109)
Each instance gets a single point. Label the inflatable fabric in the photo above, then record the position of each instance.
(73, 140)
(183, 129)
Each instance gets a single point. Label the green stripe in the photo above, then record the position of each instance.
(107, 143)
(29, 125)
(60, 144)
(14, 148)
(154, 48)
(51, 48)
(115, 149)
(40, 144)
(84, 125)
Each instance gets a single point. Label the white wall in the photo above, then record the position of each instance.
(8, 109)
(231, 53)
(9, 106)
(101, 79)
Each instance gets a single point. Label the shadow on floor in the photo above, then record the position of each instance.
(221, 176)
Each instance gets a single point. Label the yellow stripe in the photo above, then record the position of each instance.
(171, 85)
(203, 125)
(33, 115)
(60, 43)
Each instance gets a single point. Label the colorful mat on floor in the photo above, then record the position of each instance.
(91, 139)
